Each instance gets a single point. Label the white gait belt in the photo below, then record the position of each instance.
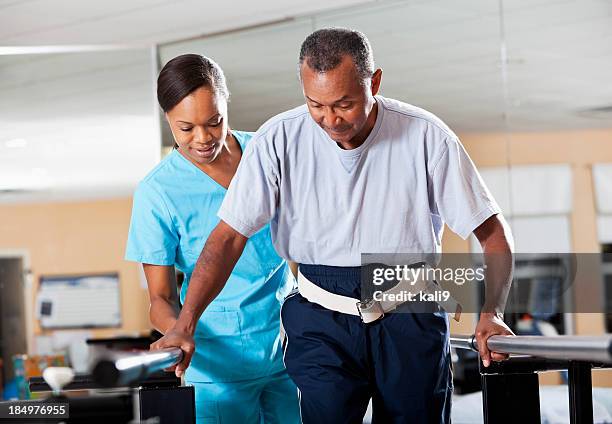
(373, 310)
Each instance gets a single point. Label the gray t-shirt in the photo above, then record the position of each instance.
(327, 206)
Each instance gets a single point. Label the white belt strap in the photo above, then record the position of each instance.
(333, 301)
(372, 310)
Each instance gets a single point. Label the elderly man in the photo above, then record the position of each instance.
(352, 172)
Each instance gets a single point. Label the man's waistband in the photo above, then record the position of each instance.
(340, 289)
(345, 281)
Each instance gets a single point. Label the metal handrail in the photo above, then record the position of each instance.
(120, 369)
(570, 348)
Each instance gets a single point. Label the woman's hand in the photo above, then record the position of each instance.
(176, 337)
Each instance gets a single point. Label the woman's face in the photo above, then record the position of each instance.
(199, 125)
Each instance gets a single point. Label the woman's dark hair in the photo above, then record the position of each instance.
(186, 73)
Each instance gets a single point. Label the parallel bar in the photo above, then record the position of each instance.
(463, 342)
(87, 382)
(569, 348)
(120, 369)
(502, 386)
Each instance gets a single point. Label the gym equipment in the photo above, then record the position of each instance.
(121, 388)
(510, 391)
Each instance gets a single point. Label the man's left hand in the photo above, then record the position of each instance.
(490, 324)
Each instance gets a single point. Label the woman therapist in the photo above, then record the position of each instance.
(237, 368)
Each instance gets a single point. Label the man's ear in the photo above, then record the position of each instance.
(376, 78)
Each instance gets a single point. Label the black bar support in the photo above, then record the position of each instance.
(500, 390)
(580, 393)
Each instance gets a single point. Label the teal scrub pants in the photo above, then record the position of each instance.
(271, 399)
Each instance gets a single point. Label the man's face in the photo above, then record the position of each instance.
(339, 102)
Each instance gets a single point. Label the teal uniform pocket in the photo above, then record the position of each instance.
(207, 412)
(219, 348)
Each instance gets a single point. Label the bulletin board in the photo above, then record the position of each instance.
(79, 301)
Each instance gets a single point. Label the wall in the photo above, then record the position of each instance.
(580, 149)
(78, 238)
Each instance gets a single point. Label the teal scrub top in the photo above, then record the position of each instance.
(174, 211)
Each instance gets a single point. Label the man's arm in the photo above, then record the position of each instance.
(214, 266)
(498, 246)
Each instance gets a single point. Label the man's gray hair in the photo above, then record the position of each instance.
(324, 49)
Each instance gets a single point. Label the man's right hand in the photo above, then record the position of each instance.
(176, 337)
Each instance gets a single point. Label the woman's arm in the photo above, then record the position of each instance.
(164, 309)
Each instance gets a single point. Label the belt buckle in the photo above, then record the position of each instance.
(369, 305)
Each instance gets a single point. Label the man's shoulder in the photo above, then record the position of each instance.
(281, 131)
(291, 118)
(405, 114)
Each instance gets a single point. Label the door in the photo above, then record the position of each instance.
(12, 313)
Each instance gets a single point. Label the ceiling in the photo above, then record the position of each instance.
(446, 57)
(84, 124)
(69, 22)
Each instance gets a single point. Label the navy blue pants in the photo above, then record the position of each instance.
(402, 361)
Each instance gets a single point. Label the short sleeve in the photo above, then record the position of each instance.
(252, 196)
(460, 195)
(151, 238)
